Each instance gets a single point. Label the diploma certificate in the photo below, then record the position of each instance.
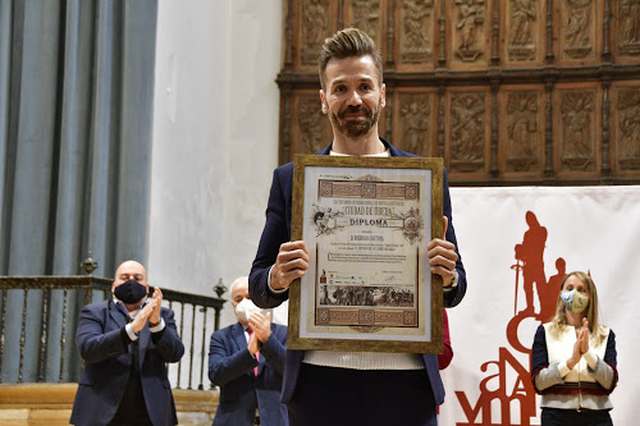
(366, 223)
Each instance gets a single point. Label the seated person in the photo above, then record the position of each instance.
(246, 360)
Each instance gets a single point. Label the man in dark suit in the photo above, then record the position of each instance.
(342, 388)
(126, 342)
(246, 360)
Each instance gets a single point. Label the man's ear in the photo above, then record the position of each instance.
(383, 97)
(323, 102)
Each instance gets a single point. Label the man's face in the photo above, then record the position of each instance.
(239, 292)
(353, 95)
(130, 270)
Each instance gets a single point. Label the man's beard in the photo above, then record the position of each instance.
(355, 128)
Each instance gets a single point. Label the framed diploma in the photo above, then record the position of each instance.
(366, 223)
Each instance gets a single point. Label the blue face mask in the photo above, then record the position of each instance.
(574, 300)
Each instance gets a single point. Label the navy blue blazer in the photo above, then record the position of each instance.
(105, 349)
(241, 392)
(277, 230)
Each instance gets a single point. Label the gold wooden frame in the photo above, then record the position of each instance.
(295, 341)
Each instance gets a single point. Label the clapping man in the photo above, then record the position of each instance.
(126, 342)
(246, 360)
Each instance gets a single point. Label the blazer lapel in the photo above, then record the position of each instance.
(117, 314)
(262, 361)
(395, 152)
(238, 336)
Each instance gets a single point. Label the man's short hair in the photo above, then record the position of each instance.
(348, 43)
(238, 281)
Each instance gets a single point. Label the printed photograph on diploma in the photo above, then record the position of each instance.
(366, 223)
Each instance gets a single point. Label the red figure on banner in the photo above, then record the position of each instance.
(530, 252)
(494, 387)
(549, 296)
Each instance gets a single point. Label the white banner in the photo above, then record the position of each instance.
(578, 228)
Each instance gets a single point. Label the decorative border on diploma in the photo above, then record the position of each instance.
(358, 310)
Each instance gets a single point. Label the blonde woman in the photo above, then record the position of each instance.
(573, 361)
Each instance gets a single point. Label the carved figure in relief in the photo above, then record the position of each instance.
(577, 29)
(522, 128)
(523, 14)
(415, 113)
(577, 140)
(629, 14)
(310, 122)
(415, 21)
(315, 25)
(629, 125)
(470, 17)
(365, 16)
(467, 130)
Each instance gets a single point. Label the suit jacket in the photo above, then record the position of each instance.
(277, 230)
(241, 391)
(106, 351)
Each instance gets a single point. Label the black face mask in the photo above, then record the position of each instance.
(130, 292)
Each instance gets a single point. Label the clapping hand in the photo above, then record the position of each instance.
(576, 355)
(143, 316)
(583, 336)
(253, 346)
(154, 319)
(261, 325)
(581, 346)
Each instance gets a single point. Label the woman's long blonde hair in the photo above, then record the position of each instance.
(559, 321)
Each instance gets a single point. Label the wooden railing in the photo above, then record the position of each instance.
(196, 317)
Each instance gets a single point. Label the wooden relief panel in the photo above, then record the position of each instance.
(522, 127)
(625, 128)
(311, 130)
(626, 34)
(467, 130)
(578, 31)
(416, 34)
(415, 128)
(507, 91)
(469, 32)
(367, 15)
(523, 37)
(316, 21)
(577, 129)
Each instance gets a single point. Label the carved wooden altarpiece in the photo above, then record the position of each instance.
(506, 91)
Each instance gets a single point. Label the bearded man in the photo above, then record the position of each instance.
(347, 388)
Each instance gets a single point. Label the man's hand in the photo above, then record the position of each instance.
(442, 257)
(142, 317)
(253, 346)
(154, 319)
(261, 326)
(292, 262)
